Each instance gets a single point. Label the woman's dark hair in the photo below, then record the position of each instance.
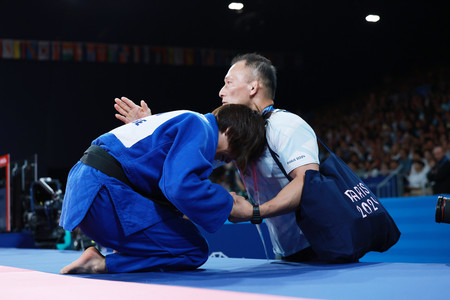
(264, 70)
(246, 132)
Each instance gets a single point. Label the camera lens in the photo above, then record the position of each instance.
(443, 210)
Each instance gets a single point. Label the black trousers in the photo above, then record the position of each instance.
(305, 255)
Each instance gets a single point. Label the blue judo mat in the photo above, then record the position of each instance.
(417, 267)
(364, 280)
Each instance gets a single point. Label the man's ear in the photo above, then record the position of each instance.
(254, 87)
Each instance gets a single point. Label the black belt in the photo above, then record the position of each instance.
(98, 158)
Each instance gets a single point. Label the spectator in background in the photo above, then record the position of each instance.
(417, 180)
(429, 159)
(404, 161)
(390, 123)
(440, 172)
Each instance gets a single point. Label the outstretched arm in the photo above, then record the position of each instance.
(128, 111)
(287, 200)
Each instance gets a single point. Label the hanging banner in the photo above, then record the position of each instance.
(43, 50)
(30, 50)
(124, 54)
(137, 54)
(7, 49)
(56, 51)
(66, 51)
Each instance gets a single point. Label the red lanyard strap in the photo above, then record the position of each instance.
(255, 185)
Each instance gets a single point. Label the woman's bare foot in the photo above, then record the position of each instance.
(90, 262)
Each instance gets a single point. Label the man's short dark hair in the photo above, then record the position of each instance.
(263, 67)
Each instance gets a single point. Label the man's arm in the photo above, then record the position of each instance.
(287, 200)
(128, 111)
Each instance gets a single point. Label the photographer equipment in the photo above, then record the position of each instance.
(443, 210)
(36, 207)
(23, 174)
(42, 216)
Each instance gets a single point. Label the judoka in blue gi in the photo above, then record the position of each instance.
(170, 154)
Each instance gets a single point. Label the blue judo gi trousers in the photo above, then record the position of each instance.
(174, 244)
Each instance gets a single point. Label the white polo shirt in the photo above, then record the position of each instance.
(295, 142)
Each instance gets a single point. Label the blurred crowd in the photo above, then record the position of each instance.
(403, 126)
(397, 128)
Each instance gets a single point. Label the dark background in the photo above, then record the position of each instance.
(55, 109)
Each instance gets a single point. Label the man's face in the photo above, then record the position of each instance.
(438, 153)
(237, 87)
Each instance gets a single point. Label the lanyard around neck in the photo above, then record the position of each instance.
(267, 110)
(255, 185)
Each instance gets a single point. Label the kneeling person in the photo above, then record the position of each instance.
(170, 155)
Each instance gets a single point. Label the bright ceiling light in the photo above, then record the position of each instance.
(235, 6)
(373, 18)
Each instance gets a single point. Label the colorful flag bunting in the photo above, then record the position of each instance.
(178, 56)
(30, 50)
(136, 54)
(7, 49)
(90, 53)
(189, 57)
(78, 52)
(159, 55)
(16, 49)
(113, 53)
(116, 53)
(67, 51)
(56, 51)
(124, 54)
(101, 52)
(43, 50)
(146, 54)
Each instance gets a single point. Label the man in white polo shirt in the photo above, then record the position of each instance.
(251, 80)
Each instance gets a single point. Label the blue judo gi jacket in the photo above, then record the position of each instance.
(172, 152)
